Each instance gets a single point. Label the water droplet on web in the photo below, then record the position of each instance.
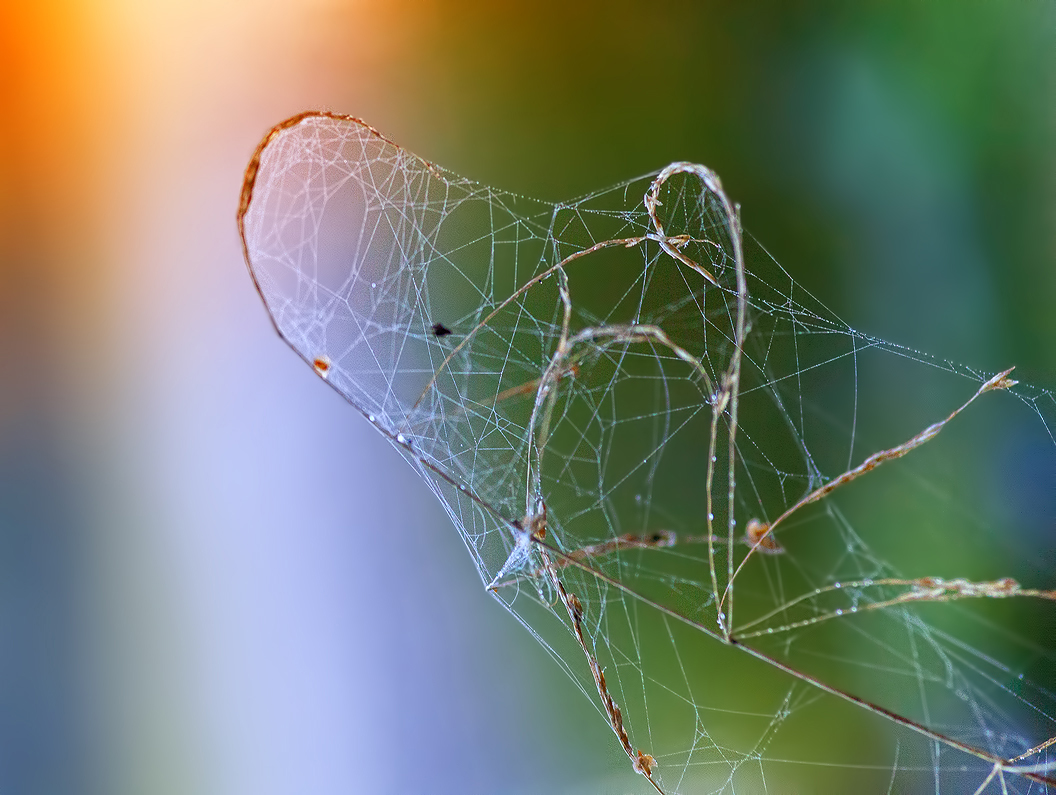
(401, 439)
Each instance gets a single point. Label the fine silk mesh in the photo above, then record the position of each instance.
(641, 427)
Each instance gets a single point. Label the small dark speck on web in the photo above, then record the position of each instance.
(440, 330)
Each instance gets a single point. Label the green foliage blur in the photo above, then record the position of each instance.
(897, 158)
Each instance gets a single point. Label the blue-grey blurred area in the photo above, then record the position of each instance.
(214, 577)
(41, 616)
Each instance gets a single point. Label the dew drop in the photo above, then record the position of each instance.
(401, 439)
(836, 585)
(839, 612)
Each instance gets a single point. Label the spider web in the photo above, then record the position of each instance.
(635, 419)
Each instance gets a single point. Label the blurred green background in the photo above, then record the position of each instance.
(195, 535)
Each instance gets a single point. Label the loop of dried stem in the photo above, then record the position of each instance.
(625, 242)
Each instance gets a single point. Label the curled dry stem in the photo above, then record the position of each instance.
(999, 381)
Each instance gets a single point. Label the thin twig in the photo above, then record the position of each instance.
(999, 381)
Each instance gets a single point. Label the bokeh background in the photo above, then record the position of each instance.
(213, 577)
